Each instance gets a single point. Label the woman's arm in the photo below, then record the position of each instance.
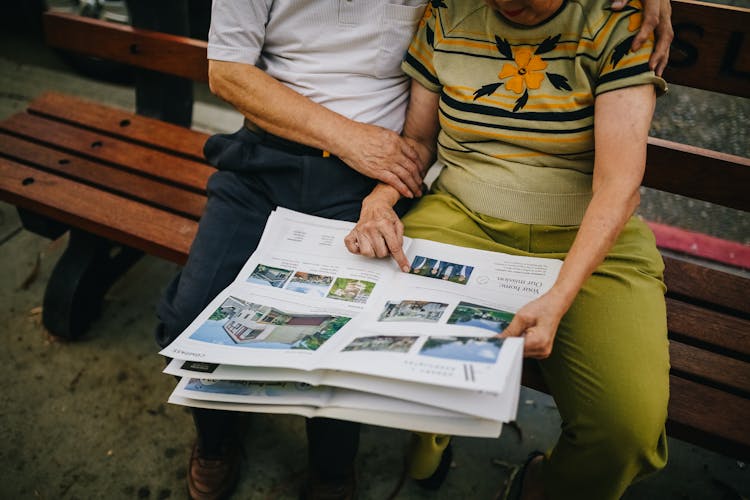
(379, 231)
(371, 150)
(621, 124)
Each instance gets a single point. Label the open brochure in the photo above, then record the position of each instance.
(304, 309)
(320, 401)
(303, 302)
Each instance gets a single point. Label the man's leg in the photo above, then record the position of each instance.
(229, 231)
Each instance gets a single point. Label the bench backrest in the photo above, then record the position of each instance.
(707, 54)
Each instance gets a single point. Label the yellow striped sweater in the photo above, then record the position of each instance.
(517, 102)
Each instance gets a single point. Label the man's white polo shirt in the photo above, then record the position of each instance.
(343, 54)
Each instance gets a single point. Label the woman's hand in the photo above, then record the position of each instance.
(537, 322)
(379, 232)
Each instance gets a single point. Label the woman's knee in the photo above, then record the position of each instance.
(631, 433)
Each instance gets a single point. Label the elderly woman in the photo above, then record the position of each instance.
(540, 111)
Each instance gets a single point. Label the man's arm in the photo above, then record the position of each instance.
(657, 16)
(374, 151)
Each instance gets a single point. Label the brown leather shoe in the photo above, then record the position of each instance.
(317, 489)
(213, 477)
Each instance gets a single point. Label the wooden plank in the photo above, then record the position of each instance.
(700, 283)
(120, 123)
(103, 148)
(171, 54)
(125, 221)
(711, 48)
(698, 173)
(695, 363)
(690, 322)
(709, 417)
(122, 183)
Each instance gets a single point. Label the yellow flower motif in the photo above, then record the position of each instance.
(523, 74)
(636, 19)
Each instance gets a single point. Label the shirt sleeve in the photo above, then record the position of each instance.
(418, 62)
(619, 67)
(238, 30)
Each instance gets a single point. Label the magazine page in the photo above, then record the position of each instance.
(346, 405)
(500, 406)
(438, 324)
(296, 294)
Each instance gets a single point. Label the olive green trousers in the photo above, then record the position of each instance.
(609, 367)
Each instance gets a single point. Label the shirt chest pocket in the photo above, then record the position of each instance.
(397, 28)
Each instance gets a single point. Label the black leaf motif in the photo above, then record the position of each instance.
(436, 4)
(624, 9)
(548, 44)
(430, 36)
(486, 90)
(521, 102)
(559, 81)
(621, 49)
(504, 47)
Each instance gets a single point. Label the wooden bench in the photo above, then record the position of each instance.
(125, 184)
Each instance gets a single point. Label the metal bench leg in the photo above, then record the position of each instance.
(76, 288)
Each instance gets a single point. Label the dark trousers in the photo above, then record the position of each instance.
(256, 174)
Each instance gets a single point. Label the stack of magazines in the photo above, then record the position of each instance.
(308, 328)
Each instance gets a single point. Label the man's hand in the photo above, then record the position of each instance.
(537, 322)
(384, 155)
(657, 17)
(379, 232)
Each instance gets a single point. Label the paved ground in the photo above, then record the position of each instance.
(88, 419)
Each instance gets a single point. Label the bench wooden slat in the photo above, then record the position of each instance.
(697, 173)
(709, 417)
(710, 328)
(175, 55)
(120, 123)
(710, 47)
(686, 279)
(689, 361)
(119, 219)
(171, 169)
(111, 179)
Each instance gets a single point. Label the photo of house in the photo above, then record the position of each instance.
(466, 314)
(412, 310)
(237, 322)
(351, 290)
(391, 343)
(270, 276)
(440, 269)
(476, 349)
